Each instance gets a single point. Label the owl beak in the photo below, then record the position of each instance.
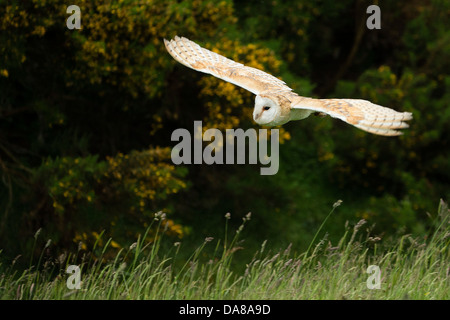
(256, 116)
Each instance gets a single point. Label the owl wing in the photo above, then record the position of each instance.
(200, 59)
(362, 114)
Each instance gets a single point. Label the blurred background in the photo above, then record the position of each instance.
(86, 118)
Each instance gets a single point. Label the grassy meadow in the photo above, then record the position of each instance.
(411, 268)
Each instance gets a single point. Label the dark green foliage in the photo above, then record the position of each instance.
(80, 108)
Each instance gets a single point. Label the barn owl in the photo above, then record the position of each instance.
(276, 103)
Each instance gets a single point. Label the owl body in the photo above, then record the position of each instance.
(276, 103)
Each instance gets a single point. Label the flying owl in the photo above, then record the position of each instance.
(276, 103)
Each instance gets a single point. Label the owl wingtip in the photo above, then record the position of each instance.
(390, 133)
(407, 116)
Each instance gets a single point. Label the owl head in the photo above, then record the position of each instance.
(266, 111)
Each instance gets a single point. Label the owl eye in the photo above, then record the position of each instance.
(266, 108)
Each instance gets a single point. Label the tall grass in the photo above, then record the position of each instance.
(411, 268)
